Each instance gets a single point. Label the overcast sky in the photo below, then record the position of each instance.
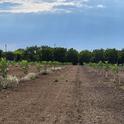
(81, 24)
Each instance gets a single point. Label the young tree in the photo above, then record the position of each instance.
(45, 67)
(25, 66)
(115, 70)
(39, 66)
(4, 67)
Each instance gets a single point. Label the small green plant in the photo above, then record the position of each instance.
(25, 66)
(4, 67)
(13, 63)
(45, 67)
(115, 70)
(100, 67)
(54, 63)
(106, 67)
(39, 67)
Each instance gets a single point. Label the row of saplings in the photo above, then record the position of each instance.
(108, 71)
(9, 81)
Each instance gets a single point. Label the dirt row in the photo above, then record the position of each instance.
(71, 96)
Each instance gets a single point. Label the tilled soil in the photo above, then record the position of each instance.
(70, 96)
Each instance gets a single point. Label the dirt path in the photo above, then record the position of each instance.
(98, 102)
(76, 98)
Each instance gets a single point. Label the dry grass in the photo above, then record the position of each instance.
(9, 82)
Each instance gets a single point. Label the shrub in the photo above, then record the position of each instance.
(39, 66)
(25, 66)
(4, 67)
(9, 82)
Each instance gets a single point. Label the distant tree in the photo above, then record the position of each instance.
(30, 53)
(9, 55)
(1, 52)
(111, 55)
(121, 56)
(46, 53)
(85, 56)
(98, 55)
(72, 56)
(59, 54)
(19, 54)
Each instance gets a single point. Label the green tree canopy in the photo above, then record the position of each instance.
(72, 56)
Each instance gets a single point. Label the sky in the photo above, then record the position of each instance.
(81, 24)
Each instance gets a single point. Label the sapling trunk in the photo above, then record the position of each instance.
(45, 66)
(39, 67)
(115, 70)
(118, 80)
(114, 79)
(106, 74)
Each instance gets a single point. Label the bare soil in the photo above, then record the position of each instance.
(18, 72)
(73, 95)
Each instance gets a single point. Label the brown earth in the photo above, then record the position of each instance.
(18, 72)
(71, 96)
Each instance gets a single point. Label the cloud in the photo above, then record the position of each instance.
(35, 6)
(100, 6)
(7, 5)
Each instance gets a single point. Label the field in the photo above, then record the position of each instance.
(72, 95)
(61, 62)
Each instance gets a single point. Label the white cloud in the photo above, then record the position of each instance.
(100, 6)
(29, 6)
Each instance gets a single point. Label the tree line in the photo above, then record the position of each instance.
(112, 56)
(60, 54)
(43, 53)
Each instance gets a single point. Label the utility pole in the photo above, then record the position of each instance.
(5, 47)
(54, 45)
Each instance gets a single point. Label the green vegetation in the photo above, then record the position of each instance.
(112, 56)
(25, 66)
(107, 63)
(107, 70)
(10, 81)
(60, 54)
(6, 81)
(45, 67)
(4, 67)
(43, 53)
(39, 66)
